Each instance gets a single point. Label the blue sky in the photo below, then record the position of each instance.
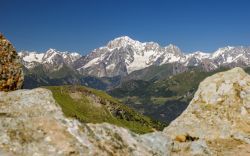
(82, 25)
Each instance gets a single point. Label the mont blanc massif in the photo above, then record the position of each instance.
(125, 98)
(123, 56)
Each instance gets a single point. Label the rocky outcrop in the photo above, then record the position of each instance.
(11, 74)
(218, 114)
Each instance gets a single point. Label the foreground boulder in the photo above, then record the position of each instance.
(11, 74)
(218, 114)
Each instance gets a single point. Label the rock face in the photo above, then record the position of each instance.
(219, 111)
(11, 74)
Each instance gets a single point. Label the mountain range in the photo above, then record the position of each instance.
(124, 55)
(52, 57)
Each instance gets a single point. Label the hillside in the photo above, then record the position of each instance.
(154, 72)
(94, 106)
(165, 99)
(41, 76)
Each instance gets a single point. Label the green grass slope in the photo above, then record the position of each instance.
(94, 106)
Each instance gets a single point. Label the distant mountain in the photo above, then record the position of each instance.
(56, 68)
(232, 56)
(124, 55)
(52, 58)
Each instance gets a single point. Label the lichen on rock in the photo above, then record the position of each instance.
(11, 74)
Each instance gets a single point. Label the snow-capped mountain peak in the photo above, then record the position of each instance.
(234, 56)
(122, 42)
(124, 55)
(51, 56)
(199, 55)
(31, 56)
(171, 48)
(51, 50)
(220, 51)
